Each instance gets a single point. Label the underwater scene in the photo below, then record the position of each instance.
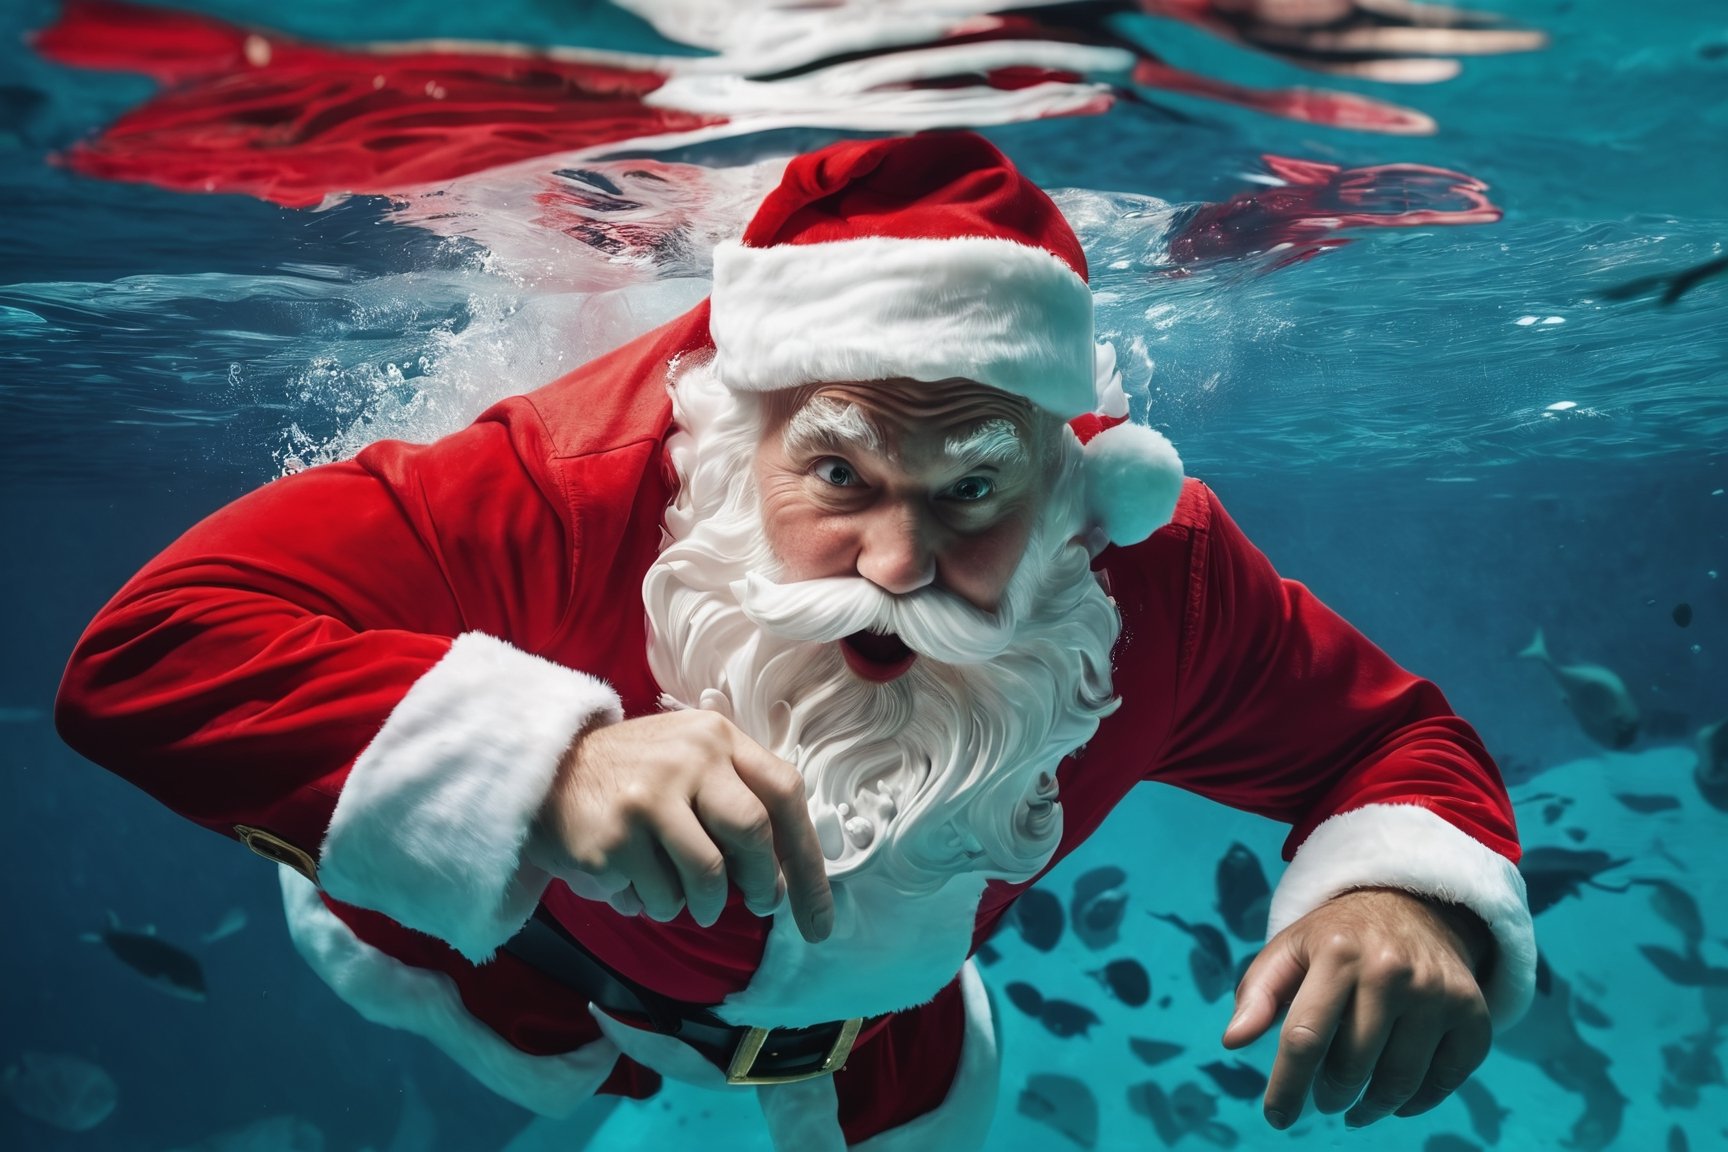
(1432, 298)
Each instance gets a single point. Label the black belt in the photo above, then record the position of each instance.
(746, 1055)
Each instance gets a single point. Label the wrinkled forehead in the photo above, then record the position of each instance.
(883, 414)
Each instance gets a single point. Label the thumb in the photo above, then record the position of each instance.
(1269, 984)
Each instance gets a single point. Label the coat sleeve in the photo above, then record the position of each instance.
(1285, 710)
(322, 667)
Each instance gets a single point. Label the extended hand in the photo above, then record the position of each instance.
(1383, 996)
(1393, 40)
(672, 806)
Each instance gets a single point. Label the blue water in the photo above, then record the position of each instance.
(1380, 420)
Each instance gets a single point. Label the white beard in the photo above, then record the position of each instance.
(948, 770)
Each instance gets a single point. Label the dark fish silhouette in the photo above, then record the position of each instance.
(1554, 808)
(1682, 614)
(1062, 1103)
(1548, 1038)
(1589, 1014)
(1486, 1114)
(1154, 1052)
(1552, 874)
(1097, 907)
(1685, 971)
(1175, 1115)
(1677, 1141)
(1577, 835)
(1025, 997)
(1236, 1080)
(1038, 915)
(1674, 285)
(1677, 908)
(167, 968)
(1126, 979)
(1243, 894)
(1065, 1018)
(987, 954)
(1645, 803)
(1688, 1065)
(1209, 960)
(1446, 1142)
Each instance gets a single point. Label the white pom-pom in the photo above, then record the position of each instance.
(1133, 477)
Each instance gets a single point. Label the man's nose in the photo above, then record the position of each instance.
(897, 553)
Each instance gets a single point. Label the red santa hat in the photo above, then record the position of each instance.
(930, 257)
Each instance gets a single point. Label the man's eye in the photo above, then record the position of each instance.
(836, 472)
(972, 488)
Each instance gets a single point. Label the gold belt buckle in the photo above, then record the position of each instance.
(744, 1058)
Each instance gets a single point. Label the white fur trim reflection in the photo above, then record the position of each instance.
(1133, 479)
(430, 825)
(1004, 314)
(962, 1121)
(386, 991)
(1407, 846)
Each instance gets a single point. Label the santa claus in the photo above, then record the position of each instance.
(698, 713)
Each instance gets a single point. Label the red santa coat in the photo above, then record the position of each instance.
(380, 661)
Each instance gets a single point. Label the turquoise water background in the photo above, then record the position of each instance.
(1380, 420)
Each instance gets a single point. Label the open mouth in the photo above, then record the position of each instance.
(878, 656)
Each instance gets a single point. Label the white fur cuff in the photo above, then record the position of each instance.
(430, 825)
(1407, 846)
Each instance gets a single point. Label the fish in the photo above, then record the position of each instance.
(987, 954)
(1645, 803)
(1688, 1065)
(1154, 1052)
(168, 969)
(1149, 1100)
(64, 1092)
(1446, 1142)
(1677, 908)
(1236, 1079)
(1552, 811)
(1062, 1103)
(1097, 908)
(1125, 979)
(1711, 773)
(1596, 695)
(233, 921)
(1038, 916)
(1209, 959)
(1589, 1014)
(1025, 997)
(1684, 971)
(1682, 614)
(1677, 1141)
(1065, 1018)
(1552, 874)
(1486, 1114)
(1244, 897)
(1576, 834)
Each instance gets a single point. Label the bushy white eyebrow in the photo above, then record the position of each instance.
(827, 423)
(996, 443)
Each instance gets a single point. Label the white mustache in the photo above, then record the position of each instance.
(931, 622)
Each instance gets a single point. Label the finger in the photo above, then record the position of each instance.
(1399, 1075)
(698, 861)
(741, 826)
(1459, 1054)
(781, 789)
(653, 877)
(1355, 1053)
(1309, 1027)
(1266, 987)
